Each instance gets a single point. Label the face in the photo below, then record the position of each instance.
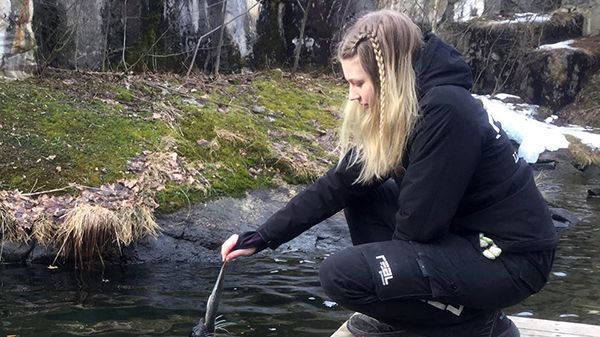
(361, 85)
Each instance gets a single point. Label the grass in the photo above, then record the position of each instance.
(68, 128)
(82, 130)
(50, 140)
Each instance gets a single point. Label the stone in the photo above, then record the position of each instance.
(554, 77)
(590, 9)
(563, 218)
(14, 252)
(505, 57)
(259, 109)
(585, 110)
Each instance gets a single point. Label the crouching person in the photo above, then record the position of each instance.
(447, 223)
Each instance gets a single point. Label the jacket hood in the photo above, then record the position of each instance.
(440, 64)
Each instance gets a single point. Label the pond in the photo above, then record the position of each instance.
(271, 294)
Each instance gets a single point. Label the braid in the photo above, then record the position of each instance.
(380, 69)
(382, 79)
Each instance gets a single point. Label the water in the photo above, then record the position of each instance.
(272, 294)
(263, 296)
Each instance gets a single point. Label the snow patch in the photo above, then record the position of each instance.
(534, 136)
(525, 18)
(559, 45)
(468, 9)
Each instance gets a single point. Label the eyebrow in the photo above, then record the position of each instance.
(354, 80)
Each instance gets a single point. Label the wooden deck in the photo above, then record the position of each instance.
(530, 327)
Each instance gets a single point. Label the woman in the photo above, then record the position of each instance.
(447, 224)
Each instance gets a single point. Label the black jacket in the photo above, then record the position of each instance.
(461, 172)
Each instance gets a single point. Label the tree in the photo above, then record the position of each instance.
(298, 48)
(221, 36)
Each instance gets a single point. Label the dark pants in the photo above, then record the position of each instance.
(440, 288)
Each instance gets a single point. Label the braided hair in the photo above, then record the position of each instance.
(385, 42)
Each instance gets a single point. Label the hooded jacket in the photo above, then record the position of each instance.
(461, 174)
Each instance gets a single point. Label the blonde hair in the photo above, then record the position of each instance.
(385, 42)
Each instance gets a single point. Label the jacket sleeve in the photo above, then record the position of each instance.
(443, 154)
(327, 196)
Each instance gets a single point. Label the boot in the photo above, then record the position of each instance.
(500, 325)
(361, 325)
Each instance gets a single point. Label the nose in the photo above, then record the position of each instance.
(352, 96)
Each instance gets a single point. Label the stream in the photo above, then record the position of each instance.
(271, 294)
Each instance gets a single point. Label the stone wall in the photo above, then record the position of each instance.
(17, 42)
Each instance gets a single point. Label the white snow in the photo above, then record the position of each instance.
(505, 96)
(525, 18)
(534, 136)
(468, 9)
(559, 45)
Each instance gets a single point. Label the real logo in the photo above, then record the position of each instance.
(386, 271)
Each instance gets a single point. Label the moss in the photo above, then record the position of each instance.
(49, 142)
(124, 94)
(91, 126)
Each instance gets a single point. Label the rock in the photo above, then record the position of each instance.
(511, 43)
(585, 110)
(195, 234)
(544, 165)
(15, 253)
(594, 192)
(43, 254)
(258, 109)
(592, 172)
(563, 218)
(560, 156)
(554, 77)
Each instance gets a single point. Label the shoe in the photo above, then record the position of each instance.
(361, 325)
(501, 326)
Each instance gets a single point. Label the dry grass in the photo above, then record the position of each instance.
(43, 231)
(583, 155)
(89, 231)
(10, 231)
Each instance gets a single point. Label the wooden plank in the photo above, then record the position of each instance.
(534, 327)
(530, 327)
(342, 331)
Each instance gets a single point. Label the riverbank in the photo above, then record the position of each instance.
(91, 158)
(150, 168)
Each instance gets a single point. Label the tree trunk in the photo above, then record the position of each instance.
(301, 38)
(17, 42)
(221, 35)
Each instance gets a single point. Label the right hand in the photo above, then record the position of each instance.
(227, 252)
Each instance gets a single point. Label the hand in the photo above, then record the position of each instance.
(226, 249)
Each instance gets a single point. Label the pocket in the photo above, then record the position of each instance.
(532, 277)
(441, 276)
(395, 270)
